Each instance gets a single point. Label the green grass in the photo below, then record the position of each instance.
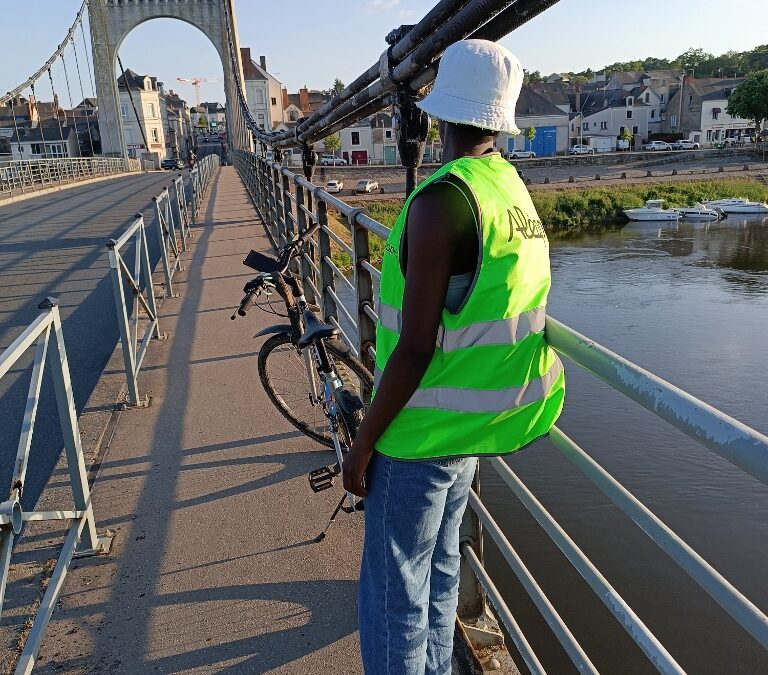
(569, 212)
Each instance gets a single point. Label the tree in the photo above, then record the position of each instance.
(530, 134)
(338, 87)
(531, 77)
(750, 99)
(625, 135)
(332, 143)
(579, 80)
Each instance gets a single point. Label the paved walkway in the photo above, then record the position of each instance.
(212, 569)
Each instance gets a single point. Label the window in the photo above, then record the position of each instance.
(603, 126)
(355, 138)
(155, 136)
(37, 149)
(690, 100)
(635, 130)
(585, 126)
(629, 114)
(293, 116)
(274, 101)
(124, 111)
(673, 121)
(151, 109)
(653, 114)
(709, 134)
(260, 96)
(388, 133)
(647, 97)
(262, 121)
(662, 98)
(715, 113)
(128, 136)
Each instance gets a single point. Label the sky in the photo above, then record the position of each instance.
(311, 43)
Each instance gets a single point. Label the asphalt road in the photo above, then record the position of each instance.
(55, 245)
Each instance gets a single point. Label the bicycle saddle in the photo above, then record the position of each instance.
(315, 330)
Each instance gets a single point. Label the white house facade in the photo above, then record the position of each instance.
(146, 99)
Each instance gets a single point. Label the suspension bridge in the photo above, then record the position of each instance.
(175, 531)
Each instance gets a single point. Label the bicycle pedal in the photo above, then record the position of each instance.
(322, 478)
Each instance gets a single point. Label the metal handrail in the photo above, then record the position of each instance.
(141, 295)
(739, 444)
(18, 177)
(45, 334)
(171, 243)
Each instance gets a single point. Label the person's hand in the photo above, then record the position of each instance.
(355, 464)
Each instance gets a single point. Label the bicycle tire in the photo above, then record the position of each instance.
(347, 367)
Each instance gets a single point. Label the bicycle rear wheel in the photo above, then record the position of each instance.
(283, 375)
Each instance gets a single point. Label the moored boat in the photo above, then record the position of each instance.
(700, 212)
(653, 210)
(739, 206)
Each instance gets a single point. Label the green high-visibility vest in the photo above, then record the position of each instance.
(493, 385)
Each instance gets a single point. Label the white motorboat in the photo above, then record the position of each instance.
(700, 212)
(653, 210)
(738, 206)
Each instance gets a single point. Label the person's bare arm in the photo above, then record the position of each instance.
(437, 225)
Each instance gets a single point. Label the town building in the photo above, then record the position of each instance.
(549, 120)
(606, 114)
(150, 123)
(698, 110)
(48, 141)
(263, 92)
(306, 101)
(216, 114)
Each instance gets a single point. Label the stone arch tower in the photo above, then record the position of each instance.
(112, 20)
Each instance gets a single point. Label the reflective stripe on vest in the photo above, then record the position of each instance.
(482, 334)
(483, 401)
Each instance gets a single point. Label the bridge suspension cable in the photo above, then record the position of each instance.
(11, 95)
(408, 65)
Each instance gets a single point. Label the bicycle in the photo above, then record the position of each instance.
(306, 351)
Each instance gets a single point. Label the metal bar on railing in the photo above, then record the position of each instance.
(624, 614)
(133, 350)
(729, 438)
(344, 310)
(505, 614)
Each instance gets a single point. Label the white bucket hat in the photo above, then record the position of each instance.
(478, 84)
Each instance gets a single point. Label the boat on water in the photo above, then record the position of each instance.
(738, 206)
(700, 212)
(653, 210)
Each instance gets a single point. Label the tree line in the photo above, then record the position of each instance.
(695, 61)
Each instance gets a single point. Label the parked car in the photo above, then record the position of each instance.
(366, 185)
(171, 164)
(520, 154)
(580, 149)
(685, 144)
(657, 145)
(325, 160)
(334, 186)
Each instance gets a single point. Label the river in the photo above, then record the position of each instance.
(690, 303)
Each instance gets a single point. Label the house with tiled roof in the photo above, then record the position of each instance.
(549, 121)
(263, 91)
(607, 113)
(140, 109)
(49, 141)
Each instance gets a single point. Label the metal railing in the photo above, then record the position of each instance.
(141, 297)
(172, 241)
(45, 335)
(18, 177)
(199, 180)
(181, 210)
(288, 203)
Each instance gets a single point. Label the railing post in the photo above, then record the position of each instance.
(161, 239)
(306, 269)
(366, 328)
(471, 596)
(280, 219)
(326, 271)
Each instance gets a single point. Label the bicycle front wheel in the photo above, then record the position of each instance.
(283, 374)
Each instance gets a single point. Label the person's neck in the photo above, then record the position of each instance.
(453, 151)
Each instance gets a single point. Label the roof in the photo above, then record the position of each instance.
(199, 109)
(87, 102)
(615, 98)
(529, 103)
(629, 76)
(212, 108)
(135, 81)
(36, 134)
(555, 92)
(663, 74)
(380, 120)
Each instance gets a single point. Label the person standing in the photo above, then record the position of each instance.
(463, 369)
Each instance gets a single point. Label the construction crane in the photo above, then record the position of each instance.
(195, 82)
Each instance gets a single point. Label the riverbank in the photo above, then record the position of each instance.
(568, 211)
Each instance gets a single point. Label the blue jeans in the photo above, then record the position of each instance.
(409, 578)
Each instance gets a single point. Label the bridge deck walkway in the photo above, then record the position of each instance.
(212, 569)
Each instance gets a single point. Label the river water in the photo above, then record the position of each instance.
(689, 303)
